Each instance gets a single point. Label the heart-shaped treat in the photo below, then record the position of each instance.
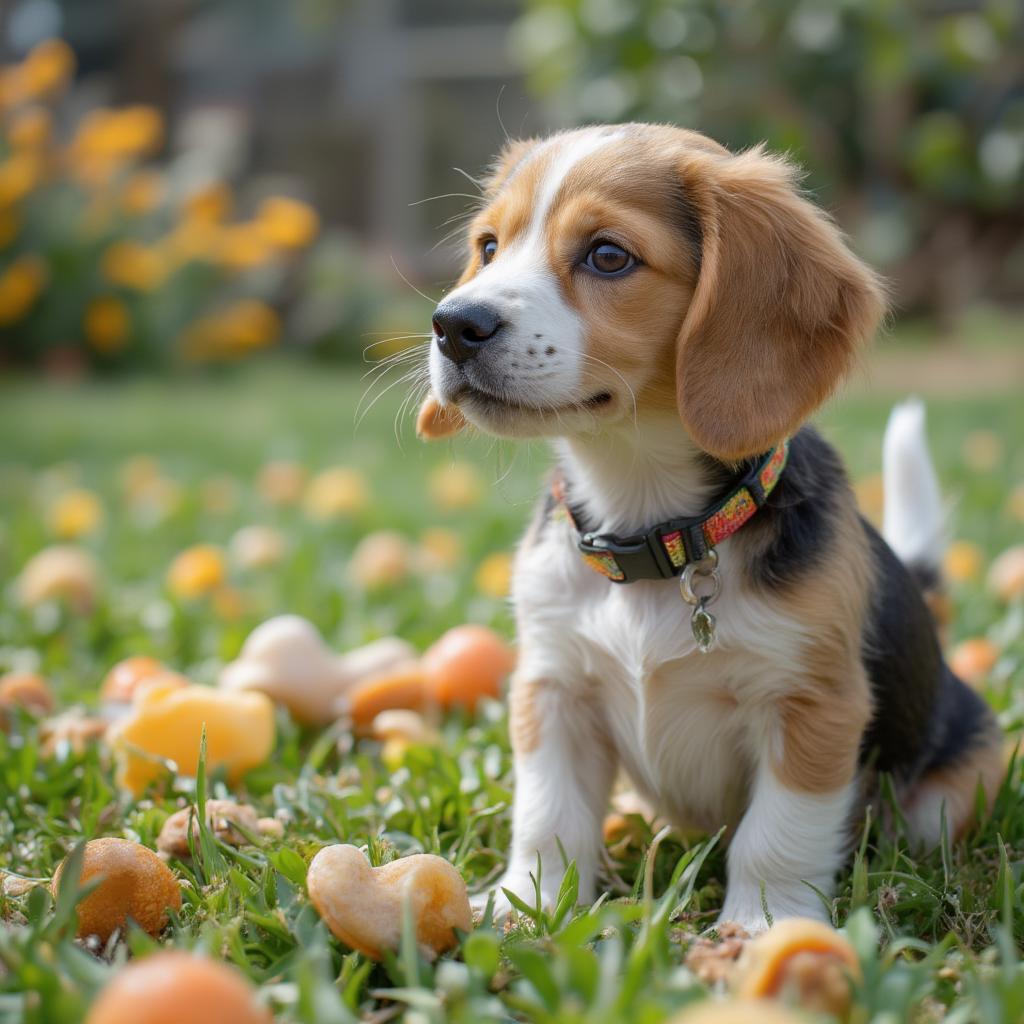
(362, 905)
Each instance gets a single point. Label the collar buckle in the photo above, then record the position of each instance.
(637, 558)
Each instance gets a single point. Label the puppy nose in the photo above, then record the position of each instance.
(461, 328)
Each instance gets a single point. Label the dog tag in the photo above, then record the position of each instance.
(702, 622)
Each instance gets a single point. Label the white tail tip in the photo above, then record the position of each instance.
(915, 522)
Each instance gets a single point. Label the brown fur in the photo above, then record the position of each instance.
(780, 310)
(524, 720)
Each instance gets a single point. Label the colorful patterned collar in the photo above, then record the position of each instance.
(666, 549)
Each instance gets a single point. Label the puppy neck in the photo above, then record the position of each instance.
(636, 474)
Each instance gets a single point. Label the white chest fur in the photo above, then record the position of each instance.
(687, 727)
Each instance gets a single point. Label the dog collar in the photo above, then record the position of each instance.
(668, 548)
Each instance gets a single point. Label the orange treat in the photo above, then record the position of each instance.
(26, 690)
(173, 986)
(136, 884)
(467, 663)
(973, 659)
(121, 682)
(400, 688)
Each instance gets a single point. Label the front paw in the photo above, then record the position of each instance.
(519, 885)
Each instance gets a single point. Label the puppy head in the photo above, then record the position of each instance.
(643, 267)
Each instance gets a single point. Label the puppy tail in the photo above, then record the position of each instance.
(914, 523)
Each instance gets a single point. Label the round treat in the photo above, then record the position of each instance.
(136, 884)
(26, 690)
(466, 664)
(402, 687)
(221, 817)
(806, 961)
(175, 987)
(362, 905)
(60, 573)
(121, 681)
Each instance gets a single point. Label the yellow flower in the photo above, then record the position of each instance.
(31, 129)
(19, 174)
(336, 492)
(143, 192)
(9, 227)
(47, 68)
(197, 571)
(281, 482)
(240, 328)
(193, 240)
(106, 324)
(963, 561)
(75, 514)
(439, 549)
(133, 265)
(287, 223)
(456, 486)
(117, 135)
(243, 247)
(20, 285)
(494, 575)
(209, 205)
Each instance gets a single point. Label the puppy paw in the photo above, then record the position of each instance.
(522, 887)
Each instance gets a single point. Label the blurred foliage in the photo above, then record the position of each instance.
(908, 114)
(106, 260)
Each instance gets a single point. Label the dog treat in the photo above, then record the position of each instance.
(973, 659)
(287, 659)
(435, 421)
(467, 663)
(136, 884)
(807, 961)
(381, 559)
(60, 573)
(362, 905)
(27, 690)
(71, 731)
(197, 571)
(120, 683)
(736, 1011)
(398, 729)
(175, 986)
(257, 547)
(401, 687)
(221, 817)
(166, 722)
(1006, 574)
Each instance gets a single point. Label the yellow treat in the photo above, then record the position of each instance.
(801, 960)
(963, 561)
(121, 682)
(197, 571)
(221, 817)
(75, 514)
(362, 905)
(336, 493)
(174, 986)
(466, 664)
(136, 884)
(166, 722)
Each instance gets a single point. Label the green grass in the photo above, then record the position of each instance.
(935, 930)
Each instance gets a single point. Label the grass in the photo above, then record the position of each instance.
(938, 932)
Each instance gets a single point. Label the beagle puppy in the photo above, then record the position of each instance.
(698, 601)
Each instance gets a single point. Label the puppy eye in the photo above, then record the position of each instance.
(609, 259)
(487, 250)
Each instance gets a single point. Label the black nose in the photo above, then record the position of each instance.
(462, 327)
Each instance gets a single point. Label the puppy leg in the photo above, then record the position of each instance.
(564, 768)
(795, 829)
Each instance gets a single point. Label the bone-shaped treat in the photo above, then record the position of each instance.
(286, 658)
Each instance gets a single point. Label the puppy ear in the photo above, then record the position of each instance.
(435, 421)
(780, 308)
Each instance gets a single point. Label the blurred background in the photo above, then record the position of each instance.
(186, 182)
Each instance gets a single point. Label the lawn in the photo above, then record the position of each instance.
(938, 932)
